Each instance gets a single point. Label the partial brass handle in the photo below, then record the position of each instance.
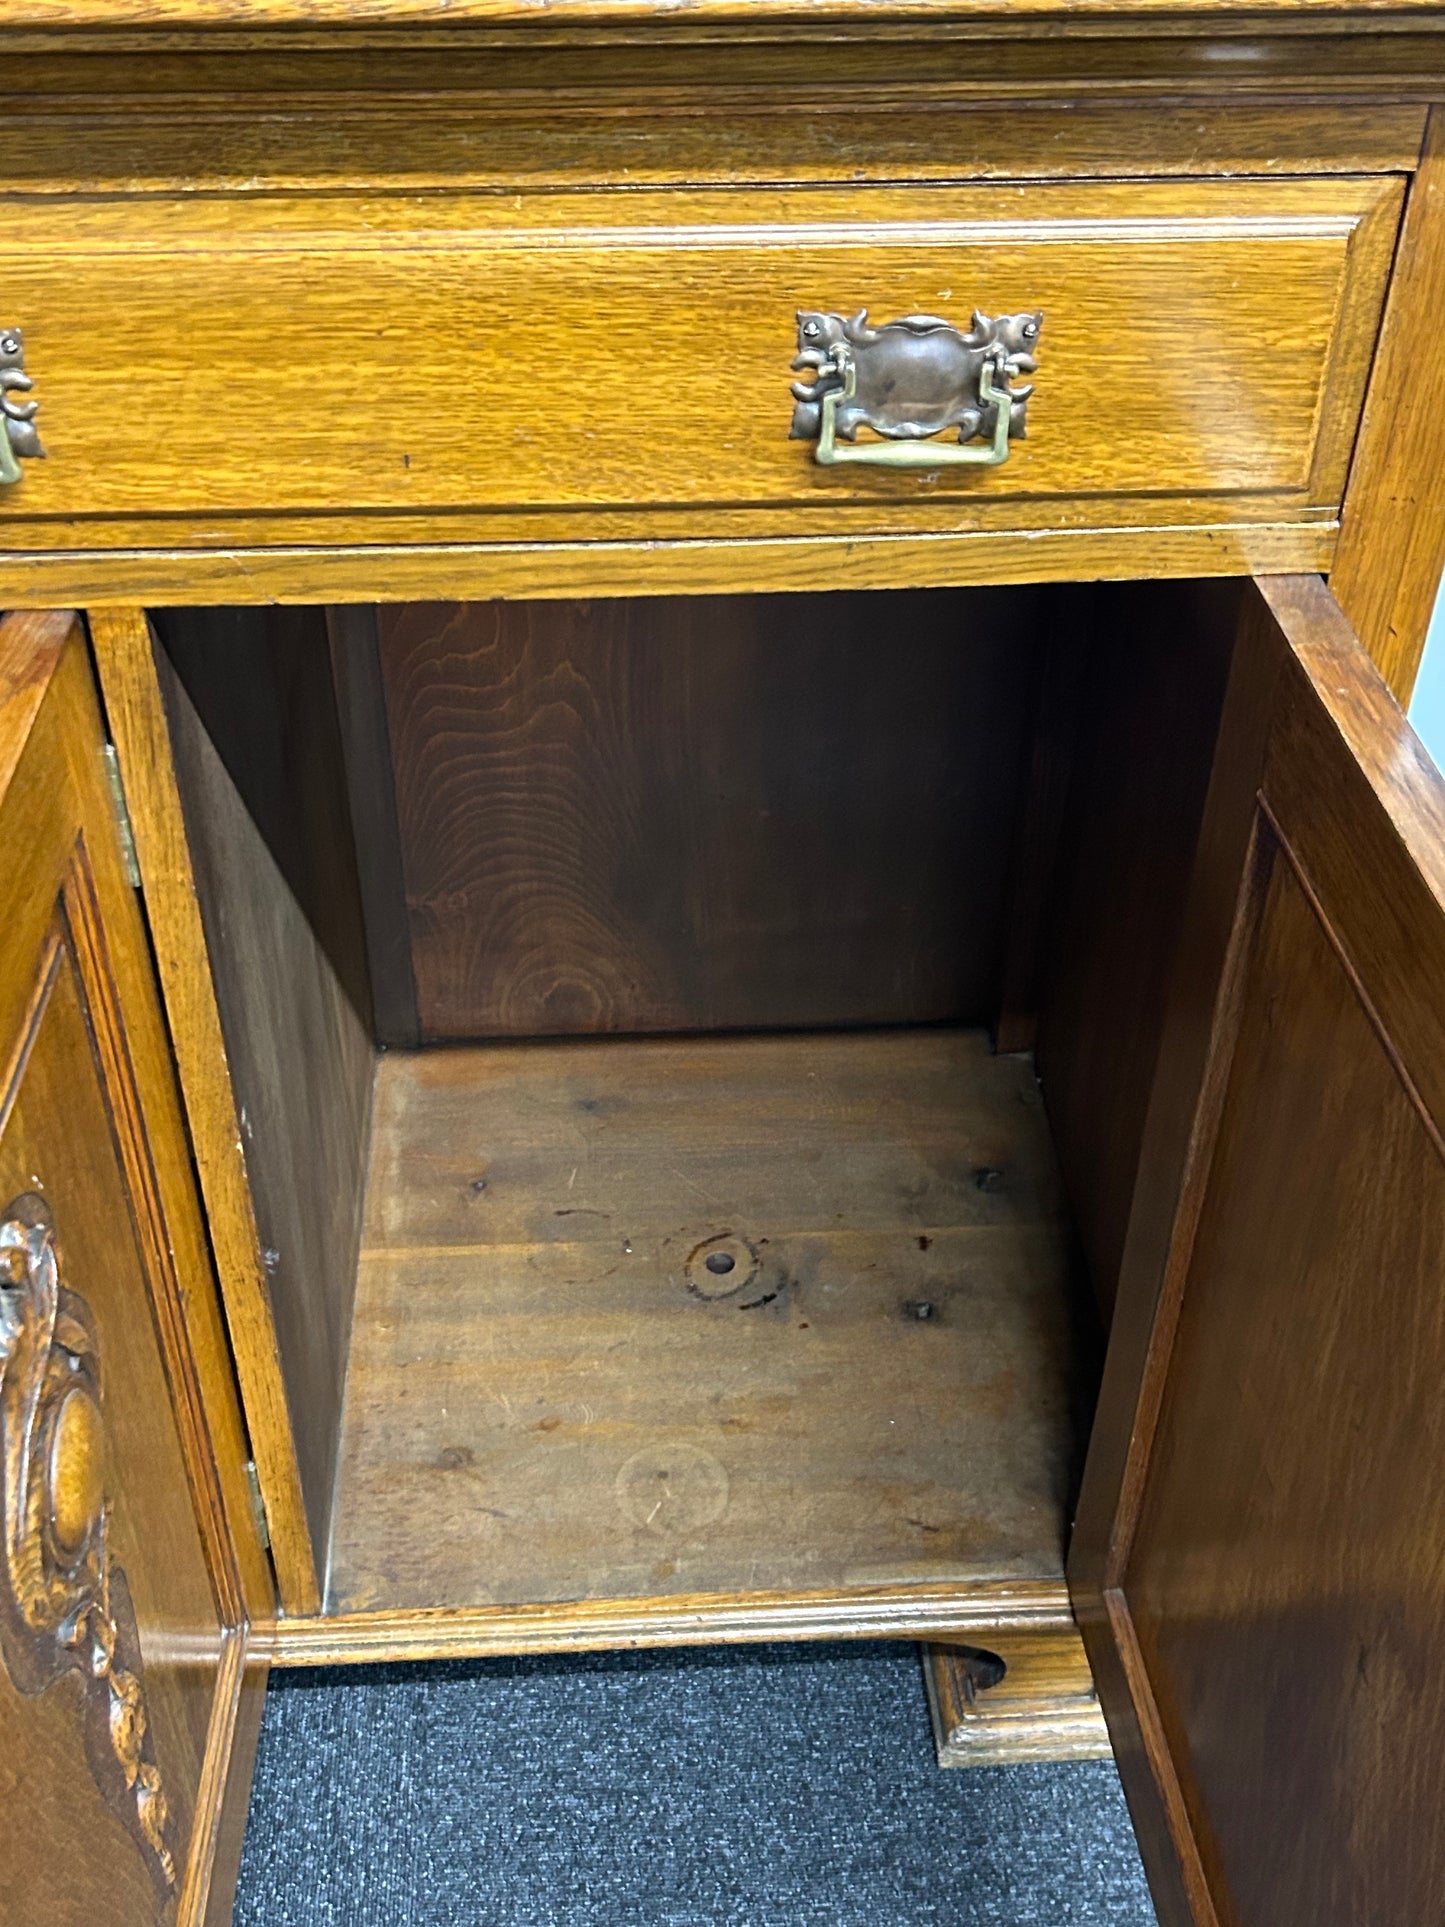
(909, 381)
(17, 418)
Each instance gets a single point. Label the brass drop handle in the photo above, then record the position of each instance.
(18, 434)
(910, 380)
(919, 454)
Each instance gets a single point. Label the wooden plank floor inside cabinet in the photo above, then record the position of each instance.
(718, 1316)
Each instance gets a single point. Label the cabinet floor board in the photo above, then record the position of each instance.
(727, 1315)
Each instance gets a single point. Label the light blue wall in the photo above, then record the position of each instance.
(1427, 706)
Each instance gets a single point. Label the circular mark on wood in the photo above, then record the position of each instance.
(720, 1266)
(672, 1489)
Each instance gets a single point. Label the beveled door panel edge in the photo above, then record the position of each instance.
(864, 1612)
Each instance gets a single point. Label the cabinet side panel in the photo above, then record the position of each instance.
(301, 1069)
(1392, 529)
(1158, 658)
(260, 682)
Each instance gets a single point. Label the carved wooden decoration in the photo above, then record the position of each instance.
(64, 1603)
(17, 418)
(913, 377)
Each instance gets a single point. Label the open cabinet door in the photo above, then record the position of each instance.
(1259, 1560)
(130, 1688)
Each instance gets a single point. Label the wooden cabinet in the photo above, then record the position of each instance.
(677, 987)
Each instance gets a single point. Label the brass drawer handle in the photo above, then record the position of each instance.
(17, 418)
(910, 380)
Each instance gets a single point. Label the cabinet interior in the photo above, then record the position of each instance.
(691, 1056)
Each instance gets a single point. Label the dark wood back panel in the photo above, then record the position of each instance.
(704, 813)
(1147, 723)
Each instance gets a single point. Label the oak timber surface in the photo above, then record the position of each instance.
(552, 1398)
(320, 13)
(451, 356)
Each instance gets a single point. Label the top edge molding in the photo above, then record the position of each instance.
(46, 21)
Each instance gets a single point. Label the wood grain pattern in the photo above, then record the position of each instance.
(191, 14)
(459, 124)
(984, 1609)
(260, 683)
(375, 832)
(552, 1398)
(136, 715)
(705, 813)
(481, 311)
(123, 989)
(1157, 661)
(1044, 1707)
(300, 1067)
(1269, 1580)
(1328, 65)
(89, 1121)
(1392, 536)
(134, 573)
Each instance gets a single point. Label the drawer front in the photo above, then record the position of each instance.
(269, 355)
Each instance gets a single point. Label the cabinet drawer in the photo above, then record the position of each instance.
(432, 360)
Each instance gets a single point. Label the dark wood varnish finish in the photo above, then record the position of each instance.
(260, 683)
(300, 1062)
(704, 813)
(1143, 739)
(1258, 1544)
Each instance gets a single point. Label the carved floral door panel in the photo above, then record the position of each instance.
(122, 1638)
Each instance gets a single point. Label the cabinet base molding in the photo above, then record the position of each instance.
(983, 1612)
(1044, 1707)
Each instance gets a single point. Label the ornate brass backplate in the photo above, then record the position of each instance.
(910, 380)
(17, 418)
(65, 1606)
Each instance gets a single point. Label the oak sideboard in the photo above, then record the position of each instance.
(719, 921)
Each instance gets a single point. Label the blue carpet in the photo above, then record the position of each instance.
(763, 1787)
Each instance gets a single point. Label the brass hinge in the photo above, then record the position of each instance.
(258, 1504)
(122, 815)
